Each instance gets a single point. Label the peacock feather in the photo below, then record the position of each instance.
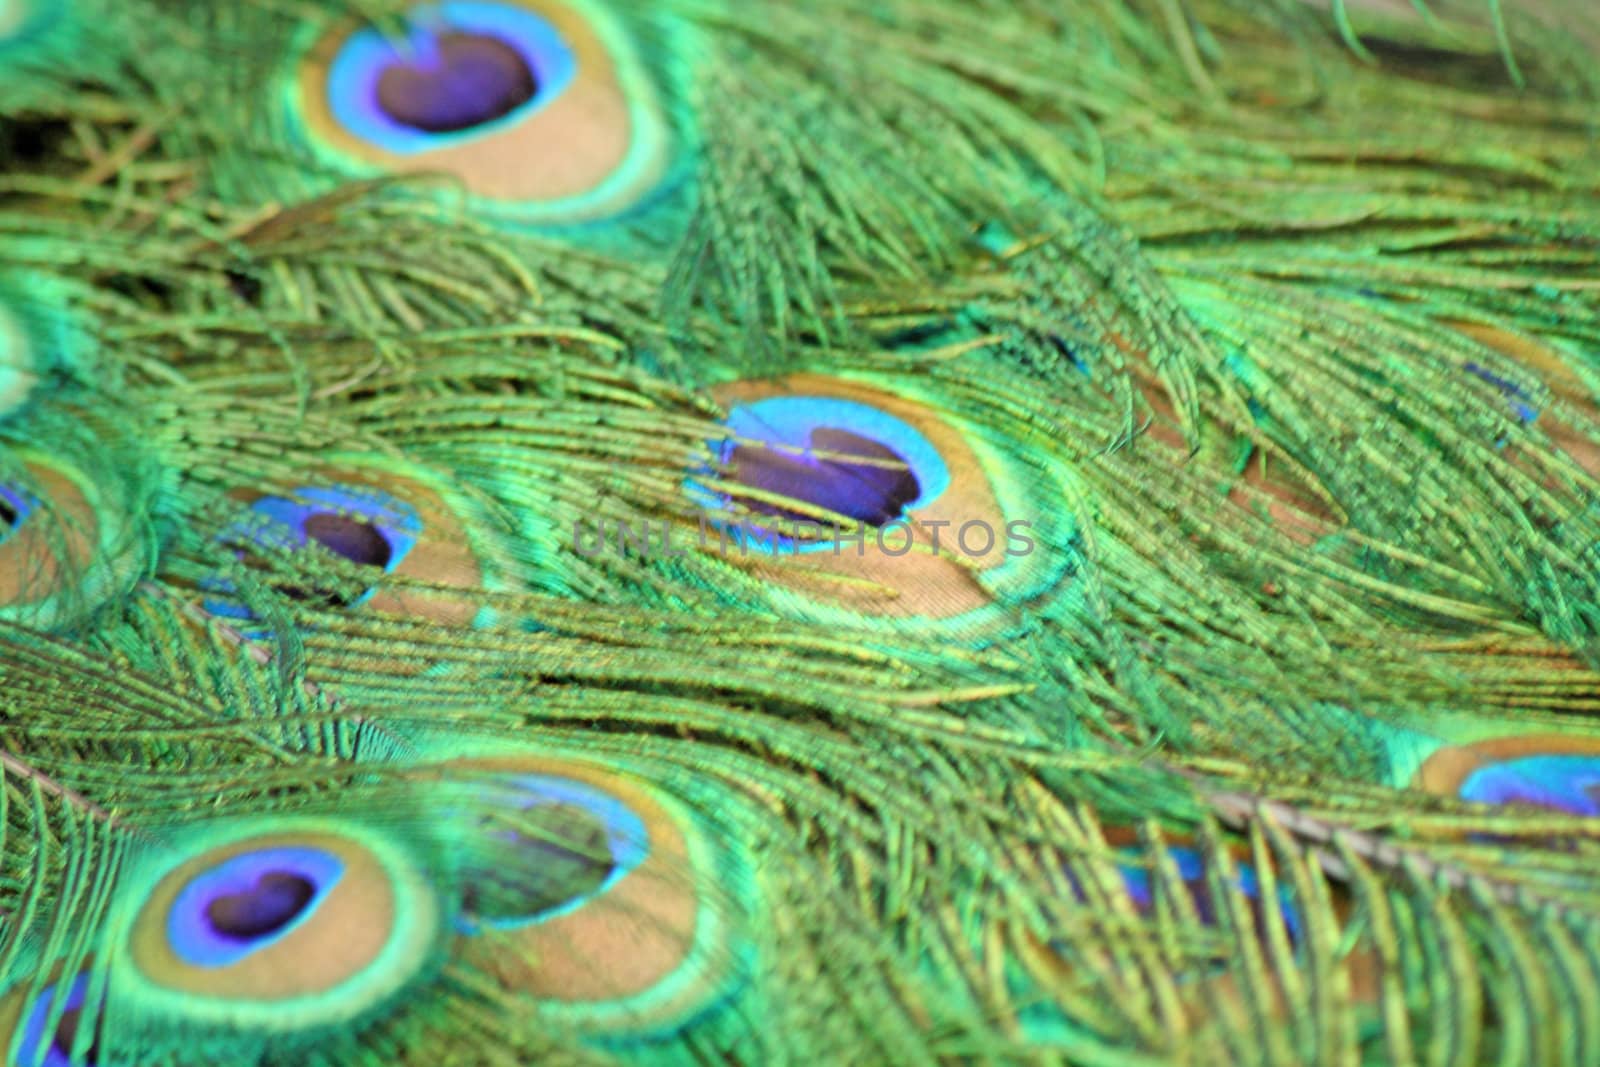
(929, 531)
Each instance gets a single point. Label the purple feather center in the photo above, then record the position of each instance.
(460, 80)
(248, 902)
(860, 478)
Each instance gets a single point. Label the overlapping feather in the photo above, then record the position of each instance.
(1292, 376)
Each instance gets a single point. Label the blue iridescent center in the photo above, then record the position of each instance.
(248, 902)
(840, 455)
(1569, 783)
(465, 70)
(15, 507)
(462, 81)
(361, 525)
(579, 842)
(62, 1038)
(1191, 868)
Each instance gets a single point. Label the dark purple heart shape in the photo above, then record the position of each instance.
(266, 907)
(467, 80)
(874, 492)
(67, 1033)
(355, 539)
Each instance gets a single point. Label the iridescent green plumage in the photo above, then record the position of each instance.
(418, 656)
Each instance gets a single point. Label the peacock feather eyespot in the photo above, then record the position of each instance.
(358, 524)
(538, 107)
(275, 926)
(553, 845)
(65, 542)
(36, 1041)
(384, 519)
(249, 902)
(1552, 772)
(843, 456)
(447, 81)
(951, 513)
(590, 893)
